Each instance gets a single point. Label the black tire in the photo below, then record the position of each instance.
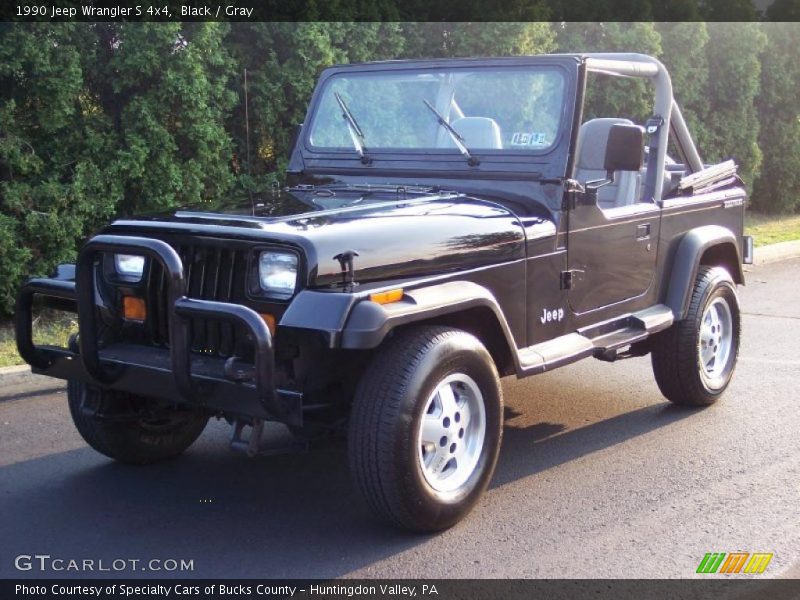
(392, 398)
(676, 355)
(138, 442)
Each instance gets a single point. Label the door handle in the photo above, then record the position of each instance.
(643, 231)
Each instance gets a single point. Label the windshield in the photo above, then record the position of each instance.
(507, 109)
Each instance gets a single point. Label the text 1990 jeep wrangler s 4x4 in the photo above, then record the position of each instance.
(446, 223)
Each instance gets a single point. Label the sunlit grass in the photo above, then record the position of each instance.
(769, 229)
(50, 327)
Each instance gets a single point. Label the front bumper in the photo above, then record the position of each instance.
(175, 374)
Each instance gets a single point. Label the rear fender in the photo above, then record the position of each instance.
(707, 245)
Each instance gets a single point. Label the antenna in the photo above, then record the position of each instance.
(247, 142)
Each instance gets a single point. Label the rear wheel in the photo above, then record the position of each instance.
(158, 436)
(426, 427)
(693, 360)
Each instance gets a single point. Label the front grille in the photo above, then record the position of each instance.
(212, 273)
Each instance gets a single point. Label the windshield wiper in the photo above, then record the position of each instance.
(359, 141)
(457, 139)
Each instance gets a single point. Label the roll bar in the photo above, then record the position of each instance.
(624, 64)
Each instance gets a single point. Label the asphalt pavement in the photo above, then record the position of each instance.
(599, 476)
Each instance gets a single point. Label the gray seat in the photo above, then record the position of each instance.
(592, 140)
(479, 133)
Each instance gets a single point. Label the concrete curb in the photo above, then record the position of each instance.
(19, 380)
(775, 252)
(21, 375)
(15, 375)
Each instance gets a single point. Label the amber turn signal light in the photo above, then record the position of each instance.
(387, 297)
(270, 321)
(133, 308)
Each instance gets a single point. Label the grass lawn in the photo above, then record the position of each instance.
(55, 328)
(770, 229)
(51, 327)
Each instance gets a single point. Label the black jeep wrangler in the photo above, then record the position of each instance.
(446, 223)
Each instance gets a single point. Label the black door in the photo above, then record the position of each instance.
(611, 253)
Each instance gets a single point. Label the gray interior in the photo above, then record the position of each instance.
(628, 187)
(478, 132)
(592, 140)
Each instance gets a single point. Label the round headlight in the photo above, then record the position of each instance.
(129, 266)
(277, 273)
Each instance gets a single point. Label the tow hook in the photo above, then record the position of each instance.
(255, 444)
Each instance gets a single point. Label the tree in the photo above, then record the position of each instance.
(53, 152)
(439, 40)
(579, 11)
(689, 73)
(608, 96)
(283, 62)
(165, 88)
(784, 10)
(733, 53)
(728, 10)
(98, 119)
(424, 11)
(777, 189)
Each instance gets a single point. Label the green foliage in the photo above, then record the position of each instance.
(448, 40)
(283, 62)
(98, 119)
(623, 11)
(728, 10)
(733, 54)
(689, 73)
(424, 11)
(784, 10)
(165, 88)
(778, 187)
(608, 96)
(104, 118)
(53, 148)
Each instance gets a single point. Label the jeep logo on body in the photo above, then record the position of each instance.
(555, 314)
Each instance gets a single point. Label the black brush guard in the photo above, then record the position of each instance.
(175, 374)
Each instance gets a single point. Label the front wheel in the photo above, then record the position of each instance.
(693, 361)
(161, 435)
(426, 427)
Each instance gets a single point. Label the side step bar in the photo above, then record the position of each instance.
(602, 341)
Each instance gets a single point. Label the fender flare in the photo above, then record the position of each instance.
(686, 263)
(353, 322)
(369, 323)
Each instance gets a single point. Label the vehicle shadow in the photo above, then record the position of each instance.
(282, 516)
(536, 448)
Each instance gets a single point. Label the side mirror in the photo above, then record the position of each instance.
(625, 148)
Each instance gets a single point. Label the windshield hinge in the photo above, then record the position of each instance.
(570, 278)
(573, 193)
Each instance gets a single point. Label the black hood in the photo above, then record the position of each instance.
(419, 235)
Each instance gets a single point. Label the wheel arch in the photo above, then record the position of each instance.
(460, 304)
(710, 245)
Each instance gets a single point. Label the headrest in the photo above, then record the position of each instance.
(479, 133)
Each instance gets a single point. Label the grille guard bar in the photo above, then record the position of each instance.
(281, 405)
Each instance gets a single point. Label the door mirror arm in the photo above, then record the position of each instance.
(574, 194)
(577, 194)
(596, 184)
